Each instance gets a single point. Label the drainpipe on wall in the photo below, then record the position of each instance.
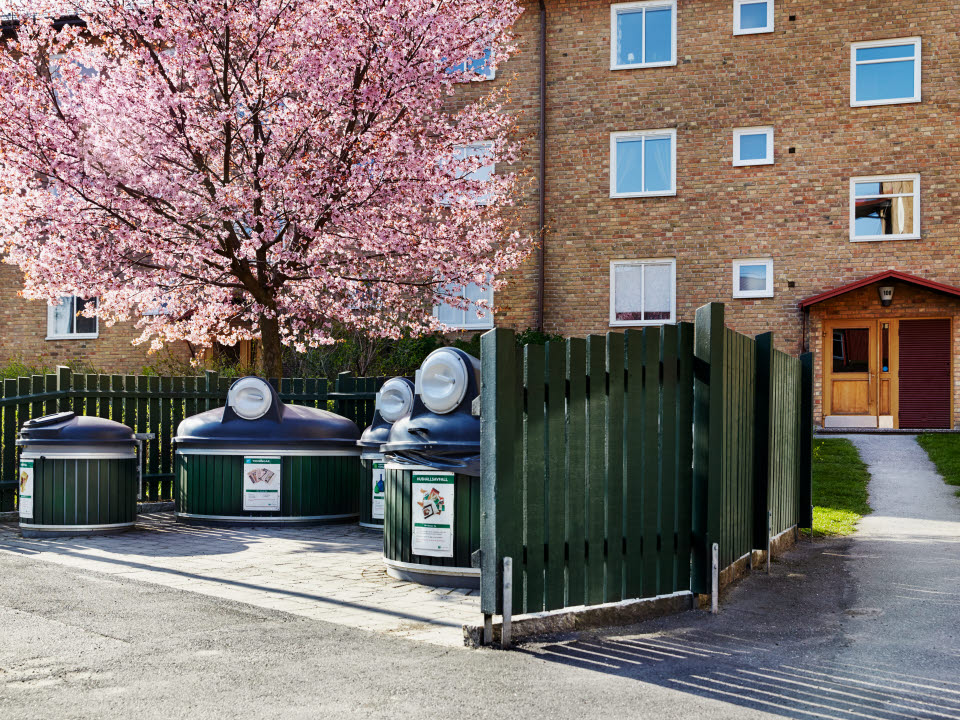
(541, 180)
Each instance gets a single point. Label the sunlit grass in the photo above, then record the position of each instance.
(944, 451)
(839, 487)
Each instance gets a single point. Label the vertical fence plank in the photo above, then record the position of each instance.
(805, 463)
(9, 455)
(534, 461)
(64, 402)
(497, 467)
(650, 441)
(613, 462)
(668, 460)
(708, 441)
(50, 405)
(79, 383)
(556, 473)
(576, 469)
(765, 402)
(633, 464)
(37, 385)
(684, 431)
(595, 495)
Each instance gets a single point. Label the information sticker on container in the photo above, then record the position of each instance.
(25, 503)
(261, 483)
(432, 494)
(379, 492)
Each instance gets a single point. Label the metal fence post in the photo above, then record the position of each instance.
(506, 628)
(715, 580)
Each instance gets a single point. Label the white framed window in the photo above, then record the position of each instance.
(751, 17)
(753, 146)
(482, 173)
(885, 207)
(643, 34)
(65, 323)
(643, 163)
(481, 66)
(753, 278)
(471, 318)
(643, 292)
(885, 72)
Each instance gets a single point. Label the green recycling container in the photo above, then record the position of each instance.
(258, 461)
(394, 401)
(426, 552)
(372, 491)
(78, 475)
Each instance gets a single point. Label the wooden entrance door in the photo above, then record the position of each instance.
(851, 369)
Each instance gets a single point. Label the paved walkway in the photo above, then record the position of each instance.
(905, 557)
(333, 573)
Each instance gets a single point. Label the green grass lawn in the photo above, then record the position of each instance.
(839, 487)
(944, 451)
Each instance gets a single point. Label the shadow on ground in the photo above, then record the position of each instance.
(797, 644)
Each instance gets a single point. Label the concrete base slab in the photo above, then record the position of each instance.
(628, 612)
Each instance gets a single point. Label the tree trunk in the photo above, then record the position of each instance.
(271, 350)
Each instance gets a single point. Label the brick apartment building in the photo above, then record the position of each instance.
(788, 159)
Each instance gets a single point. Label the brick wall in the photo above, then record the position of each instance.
(795, 211)
(23, 331)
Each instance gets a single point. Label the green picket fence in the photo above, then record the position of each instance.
(156, 405)
(612, 465)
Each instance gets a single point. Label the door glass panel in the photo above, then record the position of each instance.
(851, 350)
(885, 348)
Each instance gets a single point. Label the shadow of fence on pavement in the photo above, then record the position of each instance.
(734, 670)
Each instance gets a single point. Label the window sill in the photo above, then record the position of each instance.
(752, 296)
(643, 66)
(884, 238)
(754, 31)
(749, 163)
(663, 193)
(84, 336)
(641, 323)
(877, 103)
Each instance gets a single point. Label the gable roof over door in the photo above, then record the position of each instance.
(881, 277)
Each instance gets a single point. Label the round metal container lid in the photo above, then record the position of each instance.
(291, 425)
(68, 428)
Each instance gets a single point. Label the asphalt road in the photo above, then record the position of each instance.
(857, 628)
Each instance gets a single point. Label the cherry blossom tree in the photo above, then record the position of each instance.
(219, 170)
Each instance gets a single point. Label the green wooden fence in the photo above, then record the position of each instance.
(611, 465)
(586, 465)
(154, 405)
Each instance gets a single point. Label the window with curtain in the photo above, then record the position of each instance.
(643, 292)
(643, 34)
(64, 320)
(643, 163)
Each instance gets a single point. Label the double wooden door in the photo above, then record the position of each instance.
(860, 373)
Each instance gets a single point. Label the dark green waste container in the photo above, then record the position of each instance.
(410, 488)
(78, 475)
(394, 401)
(258, 461)
(432, 511)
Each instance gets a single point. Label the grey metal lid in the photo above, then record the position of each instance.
(68, 428)
(281, 426)
(379, 430)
